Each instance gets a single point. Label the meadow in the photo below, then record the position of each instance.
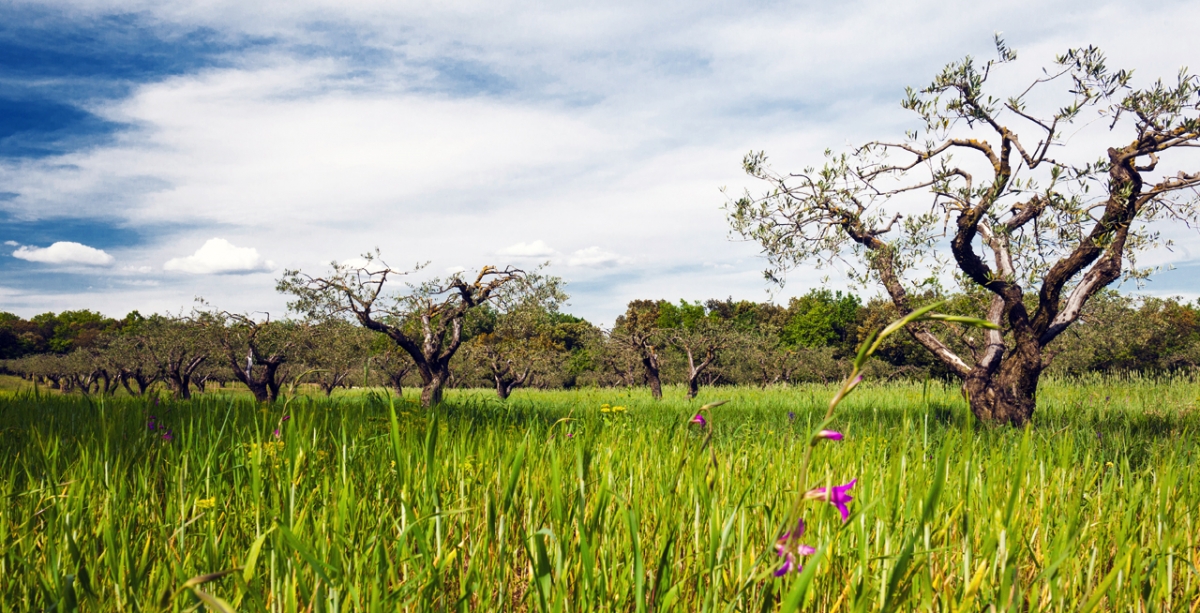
(600, 500)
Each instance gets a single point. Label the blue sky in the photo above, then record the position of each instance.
(197, 149)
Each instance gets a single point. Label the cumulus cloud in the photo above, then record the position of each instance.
(595, 257)
(219, 256)
(535, 249)
(64, 252)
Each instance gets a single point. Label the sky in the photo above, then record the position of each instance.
(156, 152)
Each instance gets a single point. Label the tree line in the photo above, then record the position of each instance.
(506, 329)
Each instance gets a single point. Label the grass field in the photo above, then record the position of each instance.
(548, 503)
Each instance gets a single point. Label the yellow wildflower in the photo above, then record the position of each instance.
(206, 503)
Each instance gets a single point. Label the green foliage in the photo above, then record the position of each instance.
(490, 506)
(821, 318)
(684, 316)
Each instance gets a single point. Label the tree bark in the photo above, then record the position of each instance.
(1006, 397)
(431, 392)
(650, 362)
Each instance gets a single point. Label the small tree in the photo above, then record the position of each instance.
(134, 362)
(425, 319)
(391, 361)
(257, 350)
(176, 346)
(696, 335)
(520, 342)
(337, 350)
(639, 332)
(1025, 212)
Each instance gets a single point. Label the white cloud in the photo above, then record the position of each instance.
(12, 243)
(535, 249)
(596, 257)
(218, 256)
(454, 270)
(611, 125)
(64, 252)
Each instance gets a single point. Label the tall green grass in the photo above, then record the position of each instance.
(545, 503)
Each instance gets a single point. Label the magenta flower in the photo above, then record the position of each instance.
(168, 436)
(832, 435)
(699, 419)
(838, 498)
(790, 549)
(286, 417)
(570, 435)
(276, 432)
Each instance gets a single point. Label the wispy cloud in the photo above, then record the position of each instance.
(64, 252)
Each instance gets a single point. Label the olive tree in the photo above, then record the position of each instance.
(424, 319)
(519, 342)
(1035, 212)
(638, 332)
(257, 350)
(337, 350)
(698, 335)
(176, 346)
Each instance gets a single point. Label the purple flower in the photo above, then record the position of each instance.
(168, 436)
(832, 435)
(791, 416)
(699, 419)
(151, 425)
(838, 498)
(286, 417)
(790, 549)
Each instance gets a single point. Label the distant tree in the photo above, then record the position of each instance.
(615, 361)
(425, 319)
(696, 335)
(821, 318)
(520, 342)
(71, 330)
(176, 346)
(1120, 334)
(391, 362)
(14, 337)
(256, 349)
(638, 332)
(577, 338)
(336, 351)
(133, 361)
(1039, 230)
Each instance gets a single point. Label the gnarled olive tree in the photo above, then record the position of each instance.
(1032, 216)
(519, 343)
(425, 319)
